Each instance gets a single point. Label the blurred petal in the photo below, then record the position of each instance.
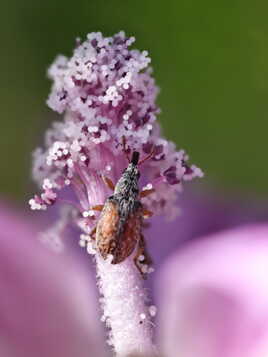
(203, 212)
(213, 296)
(47, 308)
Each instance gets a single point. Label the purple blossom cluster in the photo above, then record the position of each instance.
(107, 94)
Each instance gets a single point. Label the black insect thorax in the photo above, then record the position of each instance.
(127, 190)
(127, 185)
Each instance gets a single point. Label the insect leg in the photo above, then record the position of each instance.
(124, 143)
(146, 193)
(108, 182)
(142, 258)
(146, 213)
(92, 234)
(97, 208)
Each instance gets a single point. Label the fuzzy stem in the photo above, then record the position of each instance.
(125, 310)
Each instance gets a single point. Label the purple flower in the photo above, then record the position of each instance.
(213, 296)
(203, 213)
(107, 95)
(47, 305)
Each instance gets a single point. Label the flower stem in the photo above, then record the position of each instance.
(125, 310)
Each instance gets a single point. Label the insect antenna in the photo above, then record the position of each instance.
(135, 155)
(124, 144)
(148, 156)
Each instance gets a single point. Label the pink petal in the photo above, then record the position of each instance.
(213, 296)
(203, 213)
(47, 308)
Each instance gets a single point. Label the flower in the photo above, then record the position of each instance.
(107, 95)
(47, 304)
(213, 296)
(203, 213)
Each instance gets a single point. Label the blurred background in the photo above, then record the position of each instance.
(210, 59)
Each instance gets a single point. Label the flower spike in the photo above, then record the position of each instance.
(107, 96)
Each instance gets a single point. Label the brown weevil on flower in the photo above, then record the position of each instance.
(119, 228)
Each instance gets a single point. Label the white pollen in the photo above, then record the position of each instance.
(150, 270)
(144, 269)
(149, 186)
(152, 310)
(75, 146)
(93, 129)
(143, 316)
(70, 163)
(141, 258)
(90, 249)
(47, 184)
(82, 243)
(91, 213)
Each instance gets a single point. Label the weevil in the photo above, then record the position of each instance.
(119, 229)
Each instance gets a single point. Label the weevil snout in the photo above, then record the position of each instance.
(135, 158)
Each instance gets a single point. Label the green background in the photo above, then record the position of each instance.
(210, 59)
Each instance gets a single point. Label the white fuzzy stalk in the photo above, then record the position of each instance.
(125, 309)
